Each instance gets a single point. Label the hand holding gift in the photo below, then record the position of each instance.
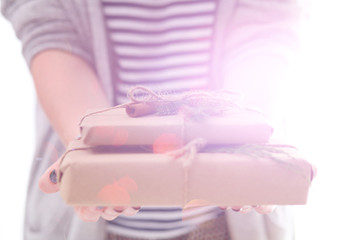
(112, 164)
(48, 183)
(262, 209)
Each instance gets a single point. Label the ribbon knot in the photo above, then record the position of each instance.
(193, 104)
(188, 152)
(149, 96)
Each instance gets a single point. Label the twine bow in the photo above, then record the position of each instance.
(188, 152)
(194, 104)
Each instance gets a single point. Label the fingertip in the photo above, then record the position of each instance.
(265, 209)
(87, 214)
(118, 209)
(100, 208)
(110, 213)
(113, 210)
(108, 217)
(242, 209)
(47, 182)
(130, 211)
(314, 172)
(236, 208)
(246, 209)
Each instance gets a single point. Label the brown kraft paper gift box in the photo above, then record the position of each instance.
(115, 127)
(256, 174)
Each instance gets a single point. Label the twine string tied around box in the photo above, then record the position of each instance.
(276, 153)
(193, 104)
(187, 154)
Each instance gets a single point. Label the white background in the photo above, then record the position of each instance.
(323, 121)
(17, 103)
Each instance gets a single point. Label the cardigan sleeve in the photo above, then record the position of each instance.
(42, 25)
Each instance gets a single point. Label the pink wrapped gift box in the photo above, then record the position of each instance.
(115, 127)
(257, 174)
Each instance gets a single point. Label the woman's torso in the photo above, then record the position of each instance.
(166, 46)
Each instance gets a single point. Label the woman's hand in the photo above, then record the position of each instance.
(263, 209)
(92, 214)
(48, 184)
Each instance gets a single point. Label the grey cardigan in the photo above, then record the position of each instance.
(77, 26)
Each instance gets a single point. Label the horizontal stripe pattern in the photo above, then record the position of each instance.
(162, 223)
(164, 45)
(163, 50)
(179, 22)
(178, 35)
(148, 9)
(165, 74)
(169, 61)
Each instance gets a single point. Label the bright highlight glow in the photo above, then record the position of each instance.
(323, 119)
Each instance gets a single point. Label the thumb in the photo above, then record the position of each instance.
(48, 181)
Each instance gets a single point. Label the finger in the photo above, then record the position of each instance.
(236, 208)
(109, 217)
(110, 213)
(130, 211)
(314, 171)
(265, 209)
(48, 181)
(242, 208)
(223, 207)
(88, 214)
(246, 209)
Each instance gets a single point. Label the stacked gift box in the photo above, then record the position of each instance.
(131, 155)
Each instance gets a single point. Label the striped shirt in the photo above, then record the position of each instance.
(164, 45)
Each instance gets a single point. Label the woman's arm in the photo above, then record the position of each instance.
(66, 87)
(65, 83)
